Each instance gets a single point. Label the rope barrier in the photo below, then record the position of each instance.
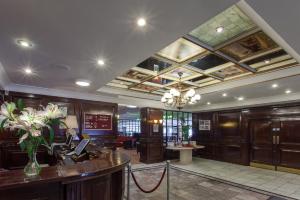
(152, 190)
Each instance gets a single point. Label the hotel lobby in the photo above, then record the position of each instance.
(149, 100)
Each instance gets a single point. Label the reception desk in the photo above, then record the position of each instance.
(101, 178)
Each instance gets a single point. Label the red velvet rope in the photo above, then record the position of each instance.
(149, 191)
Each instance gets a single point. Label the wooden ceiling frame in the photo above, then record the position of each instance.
(218, 53)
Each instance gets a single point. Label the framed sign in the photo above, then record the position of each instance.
(97, 122)
(204, 125)
(155, 128)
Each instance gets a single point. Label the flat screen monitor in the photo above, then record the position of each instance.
(81, 146)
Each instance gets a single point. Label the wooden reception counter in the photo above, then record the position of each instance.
(101, 178)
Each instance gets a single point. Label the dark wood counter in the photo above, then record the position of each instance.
(100, 178)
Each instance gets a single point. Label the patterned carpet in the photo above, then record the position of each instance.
(185, 186)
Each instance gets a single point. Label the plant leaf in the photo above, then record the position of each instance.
(23, 146)
(51, 135)
(20, 104)
(2, 124)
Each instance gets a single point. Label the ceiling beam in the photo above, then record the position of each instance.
(218, 53)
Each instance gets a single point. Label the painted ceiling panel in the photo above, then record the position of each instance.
(181, 50)
(233, 21)
(229, 72)
(249, 46)
(135, 75)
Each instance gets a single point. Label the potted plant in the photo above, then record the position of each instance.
(30, 125)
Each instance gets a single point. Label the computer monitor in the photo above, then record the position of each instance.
(81, 146)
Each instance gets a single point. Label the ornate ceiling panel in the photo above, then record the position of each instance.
(243, 50)
(233, 21)
(180, 50)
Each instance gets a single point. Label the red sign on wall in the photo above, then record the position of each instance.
(97, 122)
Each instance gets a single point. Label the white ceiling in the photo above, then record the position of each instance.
(74, 33)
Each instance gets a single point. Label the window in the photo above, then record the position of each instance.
(129, 126)
(172, 124)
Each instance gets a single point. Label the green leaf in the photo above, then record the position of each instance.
(63, 123)
(51, 136)
(23, 146)
(2, 124)
(20, 132)
(44, 141)
(20, 104)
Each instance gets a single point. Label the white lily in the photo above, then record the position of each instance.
(7, 109)
(30, 118)
(53, 112)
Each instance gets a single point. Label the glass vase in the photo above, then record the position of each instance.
(32, 168)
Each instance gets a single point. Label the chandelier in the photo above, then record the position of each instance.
(177, 98)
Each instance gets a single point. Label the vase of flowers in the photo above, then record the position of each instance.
(30, 125)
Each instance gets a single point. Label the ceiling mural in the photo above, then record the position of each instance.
(180, 50)
(233, 21)
(249, 46)
(227, 47)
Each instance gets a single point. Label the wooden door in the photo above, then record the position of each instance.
(261, 141)
(288, 144)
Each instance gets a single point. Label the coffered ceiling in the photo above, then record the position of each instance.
(219, 46)
(227, 47)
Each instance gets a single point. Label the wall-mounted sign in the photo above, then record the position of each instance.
(155, 128)
(204, 125)
(97, 122)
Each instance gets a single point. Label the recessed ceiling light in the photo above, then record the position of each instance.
(28, 70)
(100, 62)
(82, 83)
(208, 103)
(288, 91)
(141, 22)
(241, 98)
(220, 29)
(24, 43)
(224, 95)
(267, 61)
(274, 85)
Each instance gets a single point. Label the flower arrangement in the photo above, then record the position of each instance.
(30, 125)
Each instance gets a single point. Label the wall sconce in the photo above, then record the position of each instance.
(160, 121)
(155, 121)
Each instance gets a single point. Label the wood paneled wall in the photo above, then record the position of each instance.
(151, 141)
(10, 154)
(229, 137)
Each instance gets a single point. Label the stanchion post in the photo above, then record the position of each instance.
(168, 179)
(128, 180)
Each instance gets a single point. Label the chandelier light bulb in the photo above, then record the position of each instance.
(197, 97)
(170, 101)
(168, 95)
(190, 93)
(163, 100)
(174, 92)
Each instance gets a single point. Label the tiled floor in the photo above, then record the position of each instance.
(280, 183)
(185, 186)
(272, 181)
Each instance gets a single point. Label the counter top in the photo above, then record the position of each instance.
(107, 162)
